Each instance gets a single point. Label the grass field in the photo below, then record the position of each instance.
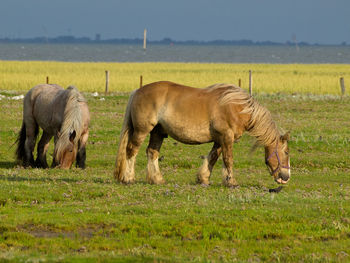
(84, 215)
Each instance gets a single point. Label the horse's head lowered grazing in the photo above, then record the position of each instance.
(71, 132)
(60, 113)
(277, 159)
(265, 130)
(66, 149)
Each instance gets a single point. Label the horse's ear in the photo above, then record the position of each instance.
(285, 137)
(72, 136)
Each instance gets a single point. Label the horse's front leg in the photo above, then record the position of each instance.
(154, 175)
(227, 173)
(132, 150)
(29, 145)
(54, 161)
(206, 169)
(81, 155)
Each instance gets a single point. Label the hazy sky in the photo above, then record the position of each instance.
(321, 21)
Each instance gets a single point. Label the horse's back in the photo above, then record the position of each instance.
(38, 104)
(183, 112)
(42, 90)
(190, 115)
(167, 92)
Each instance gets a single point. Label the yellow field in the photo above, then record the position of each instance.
(268, 78)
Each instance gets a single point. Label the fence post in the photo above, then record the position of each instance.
(239, 83)
(144, 38)
(47, 79)
(107, 81)
(140, 81)
(342, 86)
(250, 83)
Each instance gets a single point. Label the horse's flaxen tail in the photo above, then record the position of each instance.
(125, 135)
(21, 139)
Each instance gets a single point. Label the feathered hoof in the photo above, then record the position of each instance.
(230, 182)
(156, 181)
(128, 181)
(202, 181)
(27, 164)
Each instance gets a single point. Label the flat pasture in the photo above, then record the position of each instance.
(124, 77)
(85, 215)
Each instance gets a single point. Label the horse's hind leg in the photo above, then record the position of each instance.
(43, 145)
(205, 170)
(155, 142)
(81, 155)
(32, 130)
(132, 149)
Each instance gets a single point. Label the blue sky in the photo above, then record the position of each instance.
(313, 21)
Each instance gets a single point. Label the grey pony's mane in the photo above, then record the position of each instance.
(260, 124)
(72, 120)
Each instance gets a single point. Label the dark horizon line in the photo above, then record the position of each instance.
(165, 41)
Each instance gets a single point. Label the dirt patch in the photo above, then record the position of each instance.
(46, 232)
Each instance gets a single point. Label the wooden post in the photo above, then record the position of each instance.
(47, 79)
(140, 81)
(239, 83)
(342, 86)
(107, 81)
(250, 83)
(144, 39)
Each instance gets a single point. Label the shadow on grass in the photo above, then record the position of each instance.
(16, 178)
(8, 165)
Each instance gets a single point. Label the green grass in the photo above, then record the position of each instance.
(84, 215)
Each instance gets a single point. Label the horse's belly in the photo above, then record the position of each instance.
(45, 117)
(187, 132)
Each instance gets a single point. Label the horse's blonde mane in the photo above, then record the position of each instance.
(72, 120)
(260, 124)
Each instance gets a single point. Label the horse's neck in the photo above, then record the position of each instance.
(58, 109)
(264, 129)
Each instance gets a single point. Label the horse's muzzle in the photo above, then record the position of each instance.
(282, 178)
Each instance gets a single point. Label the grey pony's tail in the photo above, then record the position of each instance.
(20, 141)
(125, 134)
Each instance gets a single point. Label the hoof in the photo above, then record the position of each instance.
(39, 164)
(204, 185)
(230, 182)
(128, 182)
(156, 181)
(202, 181)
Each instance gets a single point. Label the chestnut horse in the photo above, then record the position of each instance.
(62, 114)
(219, 114)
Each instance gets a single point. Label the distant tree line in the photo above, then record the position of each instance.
(165, 41)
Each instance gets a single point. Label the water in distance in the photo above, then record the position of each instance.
(175, 53)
